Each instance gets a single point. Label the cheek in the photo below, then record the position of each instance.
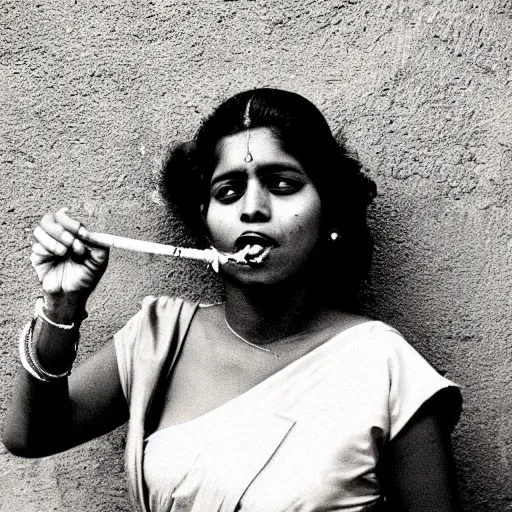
(305, 226)
(217, 225)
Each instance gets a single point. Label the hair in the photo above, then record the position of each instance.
(345, 191)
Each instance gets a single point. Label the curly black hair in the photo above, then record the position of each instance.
(345, 191)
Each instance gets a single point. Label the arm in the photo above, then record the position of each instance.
(419, 472)
(47, 417)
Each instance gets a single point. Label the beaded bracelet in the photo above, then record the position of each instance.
(27, 349)
(29, 359)
(25, 340)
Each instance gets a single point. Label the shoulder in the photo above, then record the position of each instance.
(383, 368)
(163, 308)
(335, 321)
(163, 302)
(375, 334)
(156, 318)
(377, 344)
(363, 330)
(145, 341)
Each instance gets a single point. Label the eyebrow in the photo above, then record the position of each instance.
(262, 170)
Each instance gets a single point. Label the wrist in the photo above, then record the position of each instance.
(65, 308)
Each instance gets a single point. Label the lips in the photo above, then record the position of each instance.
(254, 238)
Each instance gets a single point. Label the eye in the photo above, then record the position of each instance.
(283, 185)
(228, 191)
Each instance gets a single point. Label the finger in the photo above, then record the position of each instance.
(37, 259)
(49, 243)
(38, 249)
(97, 258)
(78, 247)
(41, 266)
(72, 225)
(40, 256)
(56, 230)
(42, 270)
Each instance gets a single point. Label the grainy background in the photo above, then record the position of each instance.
(92, 91)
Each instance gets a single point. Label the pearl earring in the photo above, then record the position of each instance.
(333, 235)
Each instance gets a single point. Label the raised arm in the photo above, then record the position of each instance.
(49, 411)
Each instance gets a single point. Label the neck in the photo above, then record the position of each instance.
(265, 315)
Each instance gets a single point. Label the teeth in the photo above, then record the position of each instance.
(249, 254)
(261, 256)
(254, 250)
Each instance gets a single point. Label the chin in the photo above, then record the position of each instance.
(247, 277)
(263, 278)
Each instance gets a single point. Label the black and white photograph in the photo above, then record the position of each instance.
(256, 256)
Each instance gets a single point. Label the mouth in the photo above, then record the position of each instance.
(253, 248)
(253, 239)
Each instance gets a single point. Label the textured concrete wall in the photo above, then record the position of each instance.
(92, 91)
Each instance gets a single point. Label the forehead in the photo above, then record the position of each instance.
(264, 146)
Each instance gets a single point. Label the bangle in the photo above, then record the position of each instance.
(25, 358)
(29, 358)
(39, 312)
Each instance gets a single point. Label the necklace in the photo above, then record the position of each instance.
(259, 347)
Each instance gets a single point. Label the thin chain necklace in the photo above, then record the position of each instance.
(259, 347)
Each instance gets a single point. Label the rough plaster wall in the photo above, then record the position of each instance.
(91, 92)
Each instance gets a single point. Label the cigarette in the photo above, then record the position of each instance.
(210, 256)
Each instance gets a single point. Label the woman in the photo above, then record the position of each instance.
(277, 399)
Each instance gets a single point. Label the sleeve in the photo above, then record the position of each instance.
(126, 339)
(413, 382)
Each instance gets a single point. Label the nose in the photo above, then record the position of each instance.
(256, 203)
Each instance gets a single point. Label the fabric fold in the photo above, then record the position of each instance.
(306, 438)
(149, 344)
(233, 458)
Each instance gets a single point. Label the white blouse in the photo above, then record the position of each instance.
(305, 439)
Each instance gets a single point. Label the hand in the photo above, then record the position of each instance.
(63, 263)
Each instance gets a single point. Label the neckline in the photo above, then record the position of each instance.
(267, 381)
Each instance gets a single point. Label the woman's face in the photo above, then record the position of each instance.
(267, 201)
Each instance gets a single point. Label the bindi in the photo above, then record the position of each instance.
(247, 125)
